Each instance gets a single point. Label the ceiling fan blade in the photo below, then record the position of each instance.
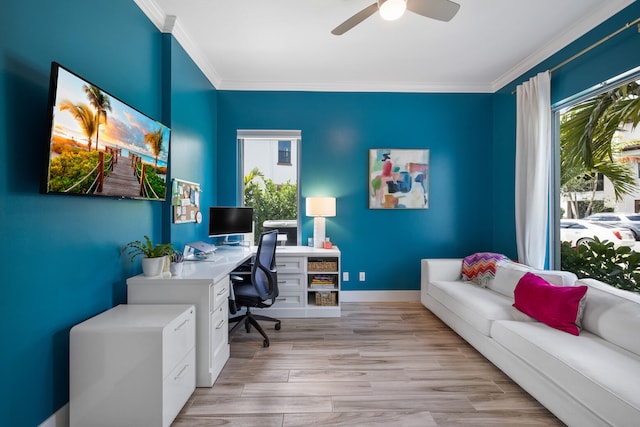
(442, 10)
(355, 19)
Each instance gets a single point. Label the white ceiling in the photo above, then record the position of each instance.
(287, 44)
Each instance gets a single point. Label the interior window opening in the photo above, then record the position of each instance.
(269, 182)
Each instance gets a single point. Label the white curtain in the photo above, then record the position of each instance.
(533, 156)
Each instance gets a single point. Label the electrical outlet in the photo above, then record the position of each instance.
(345, 276)
(362, 276)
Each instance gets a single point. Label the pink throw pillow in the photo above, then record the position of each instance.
(557, 306)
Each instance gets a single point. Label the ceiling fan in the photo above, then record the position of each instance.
(442, 10)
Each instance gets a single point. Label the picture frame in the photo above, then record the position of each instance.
(398, 178)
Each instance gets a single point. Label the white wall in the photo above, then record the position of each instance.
(263, 154)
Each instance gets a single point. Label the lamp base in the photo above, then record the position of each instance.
(319, 227)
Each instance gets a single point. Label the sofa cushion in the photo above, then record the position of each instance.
(480, 268)
(508, 273)
(590, 369)
(557, 306)
(612, 314)
(477, 306)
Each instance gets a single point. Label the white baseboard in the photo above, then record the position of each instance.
(59, 419)
(379, 296)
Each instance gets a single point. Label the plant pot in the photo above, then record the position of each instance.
(176, 268)
(152, 267)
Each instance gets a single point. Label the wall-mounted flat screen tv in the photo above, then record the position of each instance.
(100, 146)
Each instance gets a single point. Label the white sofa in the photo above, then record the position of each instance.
(588, 380)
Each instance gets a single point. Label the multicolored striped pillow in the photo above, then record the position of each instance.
(480, 268)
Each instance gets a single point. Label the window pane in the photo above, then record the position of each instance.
(269, 170)
(284, 152)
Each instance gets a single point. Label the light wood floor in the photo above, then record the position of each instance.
(380, 364)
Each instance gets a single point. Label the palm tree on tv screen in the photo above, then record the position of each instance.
(101, 103)
(154, 139)
(84, 116)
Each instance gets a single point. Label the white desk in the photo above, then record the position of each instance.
(205, 284)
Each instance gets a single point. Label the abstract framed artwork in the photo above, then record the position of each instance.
(398, 178)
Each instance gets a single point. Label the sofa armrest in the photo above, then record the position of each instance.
(432, 269)
(441, 269)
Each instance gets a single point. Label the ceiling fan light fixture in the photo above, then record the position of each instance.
(391, 10)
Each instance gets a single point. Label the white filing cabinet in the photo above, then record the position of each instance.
(133, 365)
(210, 298)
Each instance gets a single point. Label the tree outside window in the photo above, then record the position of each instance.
(270, 174)
(597, 140)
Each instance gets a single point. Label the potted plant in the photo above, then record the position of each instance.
(153, 255)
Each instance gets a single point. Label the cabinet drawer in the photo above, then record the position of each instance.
(219, 328)
(178, 337)
(177, 387)
(219, 338)
(284, 301)
(291, 282)
(219, 294)
(290, 264)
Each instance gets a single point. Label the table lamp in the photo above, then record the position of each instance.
(320, 208)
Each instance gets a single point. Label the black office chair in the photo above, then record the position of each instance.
(254, 288)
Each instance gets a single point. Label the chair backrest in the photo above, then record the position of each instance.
(264, 275)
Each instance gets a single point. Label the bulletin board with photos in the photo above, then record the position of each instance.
(185, 199)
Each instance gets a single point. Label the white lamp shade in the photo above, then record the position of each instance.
(391, 10)
(321, 206)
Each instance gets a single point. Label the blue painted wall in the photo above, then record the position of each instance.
(60, 255)
(192, 102)
(338, 129)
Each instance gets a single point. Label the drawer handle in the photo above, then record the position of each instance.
(181, 373)
(281, 299)
(222, 291)
(177, 328)
(281, 282)
(221, 324)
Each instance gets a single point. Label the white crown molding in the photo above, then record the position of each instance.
(153, 12)
(356, 87)
(196, 54)
(580, 28)
(159, 18)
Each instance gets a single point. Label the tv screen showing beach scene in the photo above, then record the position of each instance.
(100, 146)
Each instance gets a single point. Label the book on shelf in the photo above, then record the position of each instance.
(322, 286)
(322, 279)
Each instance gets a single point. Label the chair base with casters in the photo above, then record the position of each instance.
(249, 319)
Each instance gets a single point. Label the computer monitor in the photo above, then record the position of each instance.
(229, 220)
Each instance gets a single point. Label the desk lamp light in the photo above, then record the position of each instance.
(320, 208)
